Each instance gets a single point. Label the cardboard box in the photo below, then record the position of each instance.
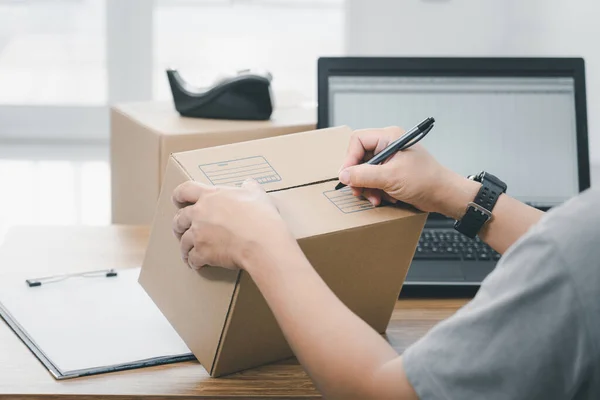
(143, 135)
(362, 253)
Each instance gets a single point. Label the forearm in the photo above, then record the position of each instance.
(341, 353)
(510, 217)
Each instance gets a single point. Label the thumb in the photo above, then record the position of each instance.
(365, 176)
(251, 184)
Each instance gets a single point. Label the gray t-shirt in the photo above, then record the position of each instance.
(533, 330)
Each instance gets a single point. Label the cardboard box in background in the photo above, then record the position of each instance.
(362, 253)
(143, 135)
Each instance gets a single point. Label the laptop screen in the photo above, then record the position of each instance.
(521, 129)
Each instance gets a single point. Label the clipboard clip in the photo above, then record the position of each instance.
(105, 273)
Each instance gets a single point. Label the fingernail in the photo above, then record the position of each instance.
(372, 200)
(345, 177)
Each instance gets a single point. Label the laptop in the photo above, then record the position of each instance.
(521, 119)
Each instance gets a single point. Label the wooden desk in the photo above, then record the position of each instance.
(22, 376)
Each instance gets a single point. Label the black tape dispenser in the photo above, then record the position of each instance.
(244, 96)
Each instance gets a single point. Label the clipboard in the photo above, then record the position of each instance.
(90, 325)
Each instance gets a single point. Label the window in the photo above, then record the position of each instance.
(62, 62)
(52, 52)
(206, 38)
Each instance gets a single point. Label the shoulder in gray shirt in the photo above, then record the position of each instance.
(533, 330)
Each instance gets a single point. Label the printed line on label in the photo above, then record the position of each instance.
(346, 202)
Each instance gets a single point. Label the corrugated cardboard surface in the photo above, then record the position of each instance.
(203, 296)
(362, 253)
(289, 160)
(143, 135)
(356, 265)
(135, 162)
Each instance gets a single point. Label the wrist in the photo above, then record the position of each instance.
(457, 194)
(263, 252)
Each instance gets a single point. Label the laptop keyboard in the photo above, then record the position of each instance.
(448, 244)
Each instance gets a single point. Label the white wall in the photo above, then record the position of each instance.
(483, 28)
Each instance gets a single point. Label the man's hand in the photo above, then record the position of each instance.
(412, 176)
(223, 226)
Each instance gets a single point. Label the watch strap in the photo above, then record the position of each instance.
(480, 210)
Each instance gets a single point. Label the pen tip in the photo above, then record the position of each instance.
(339, 186)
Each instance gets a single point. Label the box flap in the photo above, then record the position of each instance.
(277, 163)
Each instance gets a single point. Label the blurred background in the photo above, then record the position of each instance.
(64, 62)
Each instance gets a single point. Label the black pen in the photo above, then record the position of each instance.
(402, 143)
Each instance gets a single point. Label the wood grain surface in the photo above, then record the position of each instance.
(22, 376)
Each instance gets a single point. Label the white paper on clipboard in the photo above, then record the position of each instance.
(85, 326)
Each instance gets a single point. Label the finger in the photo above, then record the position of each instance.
(373, 195)
(252, 185)
(190, 192)
(182, 221)
(367, 142)
(365, 176)
(195, 259)
(356, 191)
(382, 144)
(186, 244)
(361, 142)
(389, 199)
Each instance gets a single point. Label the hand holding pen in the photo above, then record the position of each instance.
(407, 140)
(412, 175)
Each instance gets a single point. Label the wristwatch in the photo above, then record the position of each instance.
(479, 211)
